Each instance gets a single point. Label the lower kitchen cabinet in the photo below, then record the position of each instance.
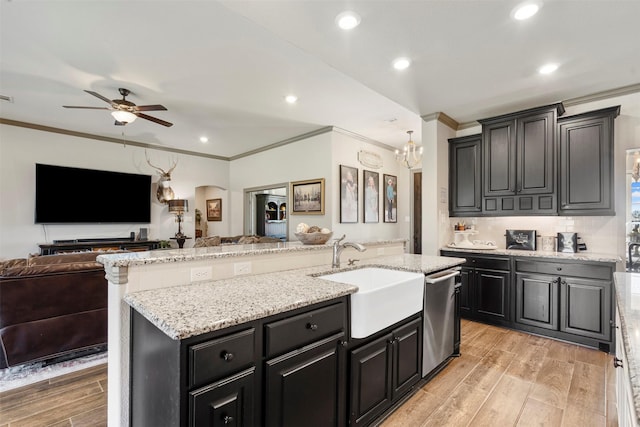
(302, 388)
(571, 300)
(383, 370)
(284, 370)
(485, 290)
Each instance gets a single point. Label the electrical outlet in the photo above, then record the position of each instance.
(199, 274)
(242, 268)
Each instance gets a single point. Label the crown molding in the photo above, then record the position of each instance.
(287, 141)
(442, 118)
(119, 141)
(621, 91)
(363, 138)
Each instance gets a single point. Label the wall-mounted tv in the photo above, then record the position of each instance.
(75, 195)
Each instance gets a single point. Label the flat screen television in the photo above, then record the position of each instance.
(75, 195)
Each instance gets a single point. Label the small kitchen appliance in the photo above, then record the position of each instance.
(568, 242)
(521, 239)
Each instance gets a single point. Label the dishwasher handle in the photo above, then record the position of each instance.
(441, 276)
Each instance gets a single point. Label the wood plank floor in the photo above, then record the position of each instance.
(508, 378)
(503, 378)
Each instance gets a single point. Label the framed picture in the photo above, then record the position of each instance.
(371, 202)
(390, 198)
(348, 194)
(307, 197)
(214, 210)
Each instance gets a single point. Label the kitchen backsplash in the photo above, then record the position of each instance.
(598, 233)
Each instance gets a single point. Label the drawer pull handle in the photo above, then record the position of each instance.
(227, 356)
(312, 326)
(617, 363)
(227, 419)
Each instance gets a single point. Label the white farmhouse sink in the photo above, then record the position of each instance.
(384, 297)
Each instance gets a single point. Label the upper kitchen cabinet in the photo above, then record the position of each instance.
(465, 179)
(586, 163)
(518, 162)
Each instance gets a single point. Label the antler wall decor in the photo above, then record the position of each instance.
(164, 193)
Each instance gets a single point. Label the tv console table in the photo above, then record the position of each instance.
(74, 245)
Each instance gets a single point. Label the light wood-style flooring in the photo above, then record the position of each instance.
(508, 378)
(503, 378)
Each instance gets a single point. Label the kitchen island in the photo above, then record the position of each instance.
(627, 359)
(161, 279)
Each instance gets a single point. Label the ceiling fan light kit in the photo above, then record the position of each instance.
(126, 111)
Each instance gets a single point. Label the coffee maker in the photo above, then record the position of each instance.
(568, 243)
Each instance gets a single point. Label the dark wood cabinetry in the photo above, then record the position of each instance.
(574, 299)
(586, 163)
(465, 179)
(383, 370)
(564, 299)
(519, 162)
(485, 288)
(285, 370)
(271, 216)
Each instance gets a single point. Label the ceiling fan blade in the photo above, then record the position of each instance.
(87, 108)
(151, 108)
(154, 119)
(97, 95)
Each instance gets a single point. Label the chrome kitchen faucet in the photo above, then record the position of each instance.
(338, 248)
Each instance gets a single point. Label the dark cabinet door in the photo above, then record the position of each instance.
(585, 307)
(586, 163)
(492, 294)
(370, 380)
(306, 387)
(465, 176)
(228, 402)
(519, 162)
(466, 291)
(537, 300)
(407, 357)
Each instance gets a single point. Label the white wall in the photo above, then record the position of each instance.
(320, 157)
(21, 148)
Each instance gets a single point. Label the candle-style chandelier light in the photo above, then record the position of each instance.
(411, 154)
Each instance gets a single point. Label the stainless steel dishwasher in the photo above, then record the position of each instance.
(439, 317)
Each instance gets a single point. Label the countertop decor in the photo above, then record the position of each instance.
(189, 310)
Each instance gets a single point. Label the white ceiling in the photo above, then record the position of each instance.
(222, 68)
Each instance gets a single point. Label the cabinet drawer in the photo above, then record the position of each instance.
(559, 269)
(297, 331)
(220, 357)
(488, 263)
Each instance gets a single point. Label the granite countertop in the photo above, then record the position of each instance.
(578, 256)
(185, 311)
(164, 256)
(628, 303)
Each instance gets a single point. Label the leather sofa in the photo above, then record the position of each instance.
(52, 307)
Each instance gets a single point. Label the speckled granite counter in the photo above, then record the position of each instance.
(213, 252)
(185, 311)
(579, 256)
(628, 304)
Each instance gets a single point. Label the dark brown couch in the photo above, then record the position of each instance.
(50, 307)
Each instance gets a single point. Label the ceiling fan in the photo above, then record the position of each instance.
(125, 111)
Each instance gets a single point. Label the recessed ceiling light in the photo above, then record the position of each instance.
(401, 63)
(525, 10)
(204, 139)
(348, 20)
(548, 68)
(291, 99)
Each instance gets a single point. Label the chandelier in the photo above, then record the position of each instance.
(411, 155)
